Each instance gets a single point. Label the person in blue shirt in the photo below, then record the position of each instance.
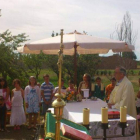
(47, 93)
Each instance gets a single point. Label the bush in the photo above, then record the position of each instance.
(97, 72)
(105, 72)
(109, 73)
(102, 72)
(132, 72)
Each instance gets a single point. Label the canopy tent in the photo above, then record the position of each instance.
(85, 45)
(76, 42)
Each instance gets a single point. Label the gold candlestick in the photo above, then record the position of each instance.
(59, 104)
(60, 60)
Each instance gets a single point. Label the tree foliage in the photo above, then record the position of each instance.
(10, 62)
(34, 63)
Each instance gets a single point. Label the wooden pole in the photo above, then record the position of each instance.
(75, 64)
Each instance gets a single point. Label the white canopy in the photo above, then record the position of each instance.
(85, 45)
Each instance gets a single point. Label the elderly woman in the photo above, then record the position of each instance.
(85, 84)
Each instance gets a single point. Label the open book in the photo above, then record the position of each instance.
(74, 134)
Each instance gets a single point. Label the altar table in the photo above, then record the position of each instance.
(73, 111)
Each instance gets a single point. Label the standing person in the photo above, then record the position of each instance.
(109, 88)
(99, 89)
(46, 93)
(4, 92)
(17, 112)
(32, 100)
(85, 84)
(123, 94)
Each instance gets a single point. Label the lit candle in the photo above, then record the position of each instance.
(86, 113)
(92, 87)
(123, 112)
(104, 114)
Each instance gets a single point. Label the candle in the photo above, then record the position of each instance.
(92, 87)
(104, 111)
(86, 113)
(102, 87)
(123, 112)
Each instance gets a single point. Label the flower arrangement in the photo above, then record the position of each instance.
(70, 96)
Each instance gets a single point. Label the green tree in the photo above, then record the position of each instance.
(10, 63)
(34, 63)
(87, 64)
(51, 63)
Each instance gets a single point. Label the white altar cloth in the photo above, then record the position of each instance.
(74, 112)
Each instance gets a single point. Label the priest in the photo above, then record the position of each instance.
(123, 93)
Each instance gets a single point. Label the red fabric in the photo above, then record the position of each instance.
(74, 134)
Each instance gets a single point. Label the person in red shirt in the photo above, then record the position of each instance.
(109, 88)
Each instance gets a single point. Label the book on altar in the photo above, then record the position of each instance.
(113, 115)
(74, 134)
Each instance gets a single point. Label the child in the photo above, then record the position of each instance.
(17, 112)
(71, 87)
(32, 100)
(4, 93)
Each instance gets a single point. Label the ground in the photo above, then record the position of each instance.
(23, 133)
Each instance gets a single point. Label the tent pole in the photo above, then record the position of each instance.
(75, 64)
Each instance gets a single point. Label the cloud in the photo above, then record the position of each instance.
(38, 18)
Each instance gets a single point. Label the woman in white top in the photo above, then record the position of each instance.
(17, 112)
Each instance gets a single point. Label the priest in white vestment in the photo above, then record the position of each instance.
(123, 93)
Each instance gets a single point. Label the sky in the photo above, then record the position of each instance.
(38, 18)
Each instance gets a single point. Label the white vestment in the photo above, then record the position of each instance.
(123, 95)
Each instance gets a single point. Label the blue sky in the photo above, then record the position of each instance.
(38, 18)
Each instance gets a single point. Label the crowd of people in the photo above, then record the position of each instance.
(118, 93)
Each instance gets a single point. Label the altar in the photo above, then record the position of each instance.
(74, 112)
